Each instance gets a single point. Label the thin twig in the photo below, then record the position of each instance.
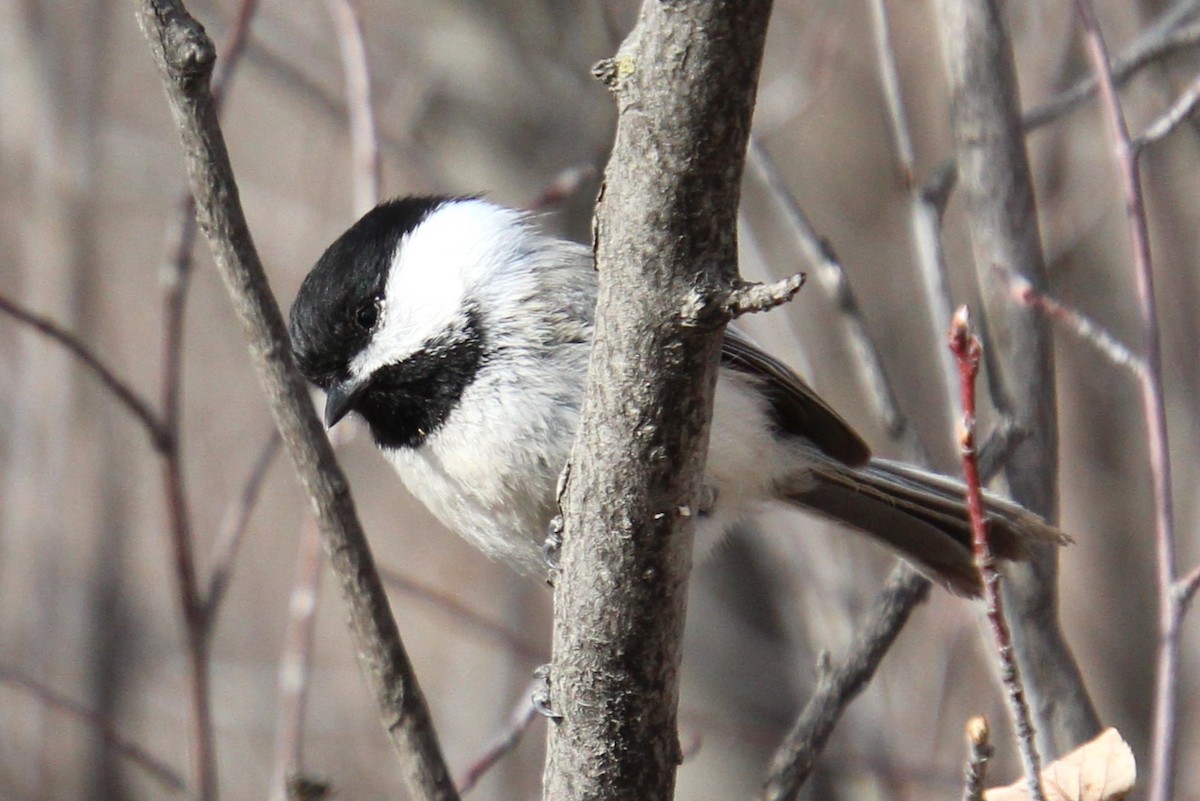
(363, 136)
(520, 720)
(123, 392)
(967, 351)
(192, 605)
(749, 298)
(838, 685)
(236, 522)
(295, 663)
(979, 752)
(1185, 588)
(1154, 46)
(1083, 327)
(195, 607)
(184, 56)
(1164, 742)
(832, 277)
(926, 206)
(157, 768)
(232, 50)
(999, 447)
(995, 181)
(468, 618)
(1183, 107)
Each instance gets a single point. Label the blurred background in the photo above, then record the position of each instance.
(498, 98)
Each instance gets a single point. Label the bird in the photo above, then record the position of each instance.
(459, 332)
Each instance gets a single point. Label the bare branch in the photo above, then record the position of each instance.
(926, 206)
(236, 521)
(562, 186)
(999, 447)
(1183, 107)
(748, 298)
(1156, 44)
(363, 135)
(295, 662)
(184, 56)
(520, 720)
(1083, 327)
(1154, 407)
(1185, 588)
(980, 747)
(967, 352)
(668, 204)
(232, 50)
(125, 394)
(163, 773)
(832, 277)
(469, 619)
(995, 182)
(838, 685)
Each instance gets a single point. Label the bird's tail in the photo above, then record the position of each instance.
(921, 515)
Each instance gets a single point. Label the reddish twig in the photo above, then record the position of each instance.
(966, 350)
(1164, 743)
(519, 722)
(155, 767)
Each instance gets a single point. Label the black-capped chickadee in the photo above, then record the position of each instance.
(460, 334)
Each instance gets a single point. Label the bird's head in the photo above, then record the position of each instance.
(390, 322)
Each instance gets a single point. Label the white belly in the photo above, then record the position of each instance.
(493, 480)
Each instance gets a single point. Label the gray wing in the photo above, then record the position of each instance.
(798, 410)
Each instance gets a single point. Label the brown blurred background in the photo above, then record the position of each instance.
(497, 97)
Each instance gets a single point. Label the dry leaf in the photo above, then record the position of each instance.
(1100, 770)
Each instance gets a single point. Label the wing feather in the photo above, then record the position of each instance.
(798, 410)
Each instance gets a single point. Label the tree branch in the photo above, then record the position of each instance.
(1155, 44)
(184, 56)
(1154, 409)
(125, 394)
(994, 176)
(163, 773)
(838, 685)
(965, 347)
(666, 220)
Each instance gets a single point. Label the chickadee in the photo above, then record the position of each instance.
(460, 334)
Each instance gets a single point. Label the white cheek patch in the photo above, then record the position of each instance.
(458, 246)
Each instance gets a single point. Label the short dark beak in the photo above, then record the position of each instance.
(339, 402)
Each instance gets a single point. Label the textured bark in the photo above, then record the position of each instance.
(185, 56)
(684, 81)
(994, 175)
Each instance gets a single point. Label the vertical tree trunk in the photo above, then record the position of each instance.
(684, 81)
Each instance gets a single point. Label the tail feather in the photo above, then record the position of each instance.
(921, 515)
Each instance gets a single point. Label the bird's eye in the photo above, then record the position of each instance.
(367, 314)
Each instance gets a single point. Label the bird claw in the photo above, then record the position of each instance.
(540, 698)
